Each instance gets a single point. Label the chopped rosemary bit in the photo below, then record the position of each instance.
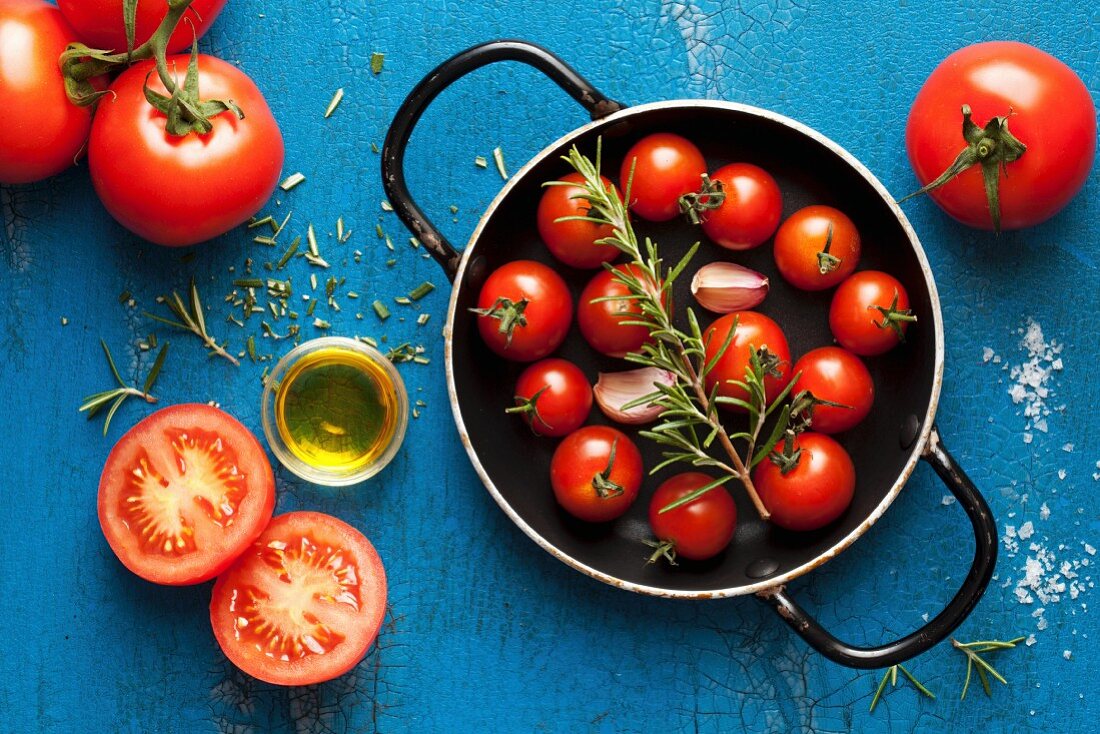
(248, 283)
(152, 340)
(376, 61)
(124, 296)
(402, 300)
(310, 308)
(261, 222)
(264, 240)
(480, 162)
(381, 310)
(352, 294)
(423, 318)
(339, 229)
(312, 282)
(279, 230)
(421, 290)
(386, 206)
(390, 263)
(498, 158)
(414, 242)
(421, 360)
(190, 318)
(289, 253)
(330, 286)
(332, 105)
(291, 181)
(316, 260)
(251, 343)
(454, 209)
(368, 341)
(403, 353)
(389, 243)
(374, 148)
(64, 321)
(311, 239)
(321, 324)
(92, 404)
(378, 231)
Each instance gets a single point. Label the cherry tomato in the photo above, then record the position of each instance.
(180, 190)
(870, 313)
(752, 331)
(750, 212)
(183, 493)
(1048, 109)
(816, 248)
(303, 603)
(554, 397)
(812, 494)
(836, 375)
(600, 322)
(100, 24)
(573, 242)
(524, 310)
(665, 167)
(698, 530)
(43, 132)
(596, 473)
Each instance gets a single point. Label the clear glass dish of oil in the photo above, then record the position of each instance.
(335, 411)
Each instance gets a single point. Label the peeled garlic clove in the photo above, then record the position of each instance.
(725, 287)
(613, 390)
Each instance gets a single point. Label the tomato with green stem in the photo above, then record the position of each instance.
(553, 396)
(44, 133)
(745, 332)
(661, 168)
(870, 313)
(806, 483)
(816, 248)
(574, 242)
(101, 25)
(750, 210)
(303, 603)
(605, 310)
(841, 379)
(523, 311)
(692, 516)
(183, 493)
(596, 473)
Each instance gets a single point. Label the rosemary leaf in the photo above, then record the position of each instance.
(334, 103)
(291, 181)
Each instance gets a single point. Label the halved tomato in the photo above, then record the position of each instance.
(303, 604)
(183, 493)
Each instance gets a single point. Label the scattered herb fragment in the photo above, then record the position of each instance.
(291, 181)
(386, 206)
(975, 661)
(334, 103)
(190, 318)
(124, 296)
(891, 675)
(381, 310)
(480, 162)
(421, 290)
(376, 62)
(92, 404)
(498, 158)
(321, 323)
(423, 318)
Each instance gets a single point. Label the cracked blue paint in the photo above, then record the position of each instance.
(485, 631)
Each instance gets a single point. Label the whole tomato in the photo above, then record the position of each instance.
(100, 23)
(811, 493)
(182, 189)
(601, 321)
(870, 313)
(698, 529)
(524, 310)
(573, 241)
(665, 167)
(751, 331)
(596, 473)
(553, 396)
(816, 248)
(837, 376)
(1006, 85)
(43, 132)
(750, 212)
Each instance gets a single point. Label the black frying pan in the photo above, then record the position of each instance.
(514, 464)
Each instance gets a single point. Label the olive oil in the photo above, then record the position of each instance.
(337, 410)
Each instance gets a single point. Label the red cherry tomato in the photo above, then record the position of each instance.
(554, 397)
(751, 331)
(100, 24)
(813, 493)
(600, 321)
(1049, 110)
(836, 375)
(816, 248)
(183, 493)
(698, 530)
(302, 604)
(180, 190)
(590, 483)
(750, 212)
(870, 313)
(43, 132)
(573, 242)
(524, 310)
(665, 167)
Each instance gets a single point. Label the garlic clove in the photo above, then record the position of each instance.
(613, 390)
(725, 287)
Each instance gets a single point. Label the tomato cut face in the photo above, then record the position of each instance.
(303, 603)
(183, 493)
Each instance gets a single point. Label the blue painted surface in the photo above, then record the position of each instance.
(486, 632)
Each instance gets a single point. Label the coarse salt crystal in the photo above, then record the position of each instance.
(1026, 530)
(1067, 654)
(1044, 512)
(987, 354)
(1030, 640)
(947, 500)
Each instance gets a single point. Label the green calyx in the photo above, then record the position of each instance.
(185, 110)
(605, 488)
(709, 196)
(993, 148)
(508, 312)
(787, 459)
(529, 406)
(827, 262)
(892, 317)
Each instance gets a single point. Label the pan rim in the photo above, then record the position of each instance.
(919, 445)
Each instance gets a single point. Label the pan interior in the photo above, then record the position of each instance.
(516, 463)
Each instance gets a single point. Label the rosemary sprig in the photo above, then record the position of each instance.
(975, 661)
(117, 396)
(689, 423)
(190, 318)
(891, 675)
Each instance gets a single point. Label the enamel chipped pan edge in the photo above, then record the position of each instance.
(513, 463)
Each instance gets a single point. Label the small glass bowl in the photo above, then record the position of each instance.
(320, 475)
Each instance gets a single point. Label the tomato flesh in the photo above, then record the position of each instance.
(303, 603)
(183, 493)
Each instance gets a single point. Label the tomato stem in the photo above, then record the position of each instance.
(892, 318)
(826, 261)
(524, 406)
(510, 314)
(605, 488)
(710, 195)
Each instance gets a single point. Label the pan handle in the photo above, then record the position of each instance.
(451, 70)
(944, 623)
